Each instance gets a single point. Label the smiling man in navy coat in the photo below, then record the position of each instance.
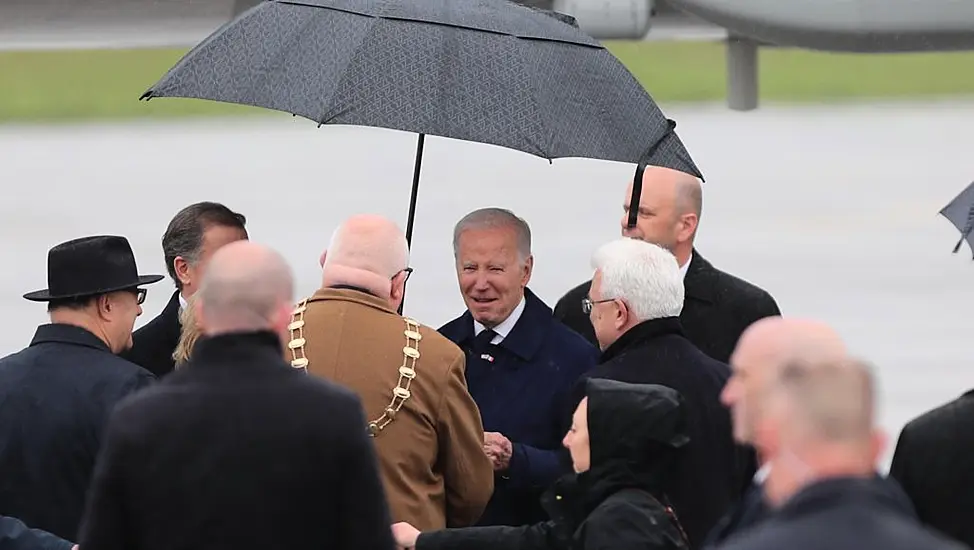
(521, 362)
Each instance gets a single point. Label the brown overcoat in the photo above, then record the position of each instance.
(427, 428)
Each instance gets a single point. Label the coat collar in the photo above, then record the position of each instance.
(68, 334)
(528, 334)
(171, 313)
(257, 349)
(354, 295)
(639, 334)
(828, 493)
(699, 282)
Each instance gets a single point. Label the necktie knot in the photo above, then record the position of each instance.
(482, 340)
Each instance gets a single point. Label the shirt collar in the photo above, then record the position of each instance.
(506, 326)
(686, 266)
(762, 473)
(182, 302)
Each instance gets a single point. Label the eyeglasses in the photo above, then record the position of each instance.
(588, 304)
(408, 271)
(140, 294)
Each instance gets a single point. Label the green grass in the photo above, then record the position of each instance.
(78, 85)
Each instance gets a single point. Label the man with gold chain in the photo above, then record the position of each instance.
(427, 429)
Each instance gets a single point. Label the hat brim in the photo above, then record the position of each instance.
(46, 296)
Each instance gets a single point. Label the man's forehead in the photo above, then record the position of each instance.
(655, 192)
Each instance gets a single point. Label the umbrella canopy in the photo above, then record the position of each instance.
(489, 71)
(960, 212)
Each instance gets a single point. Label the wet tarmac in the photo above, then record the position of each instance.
(831, 209)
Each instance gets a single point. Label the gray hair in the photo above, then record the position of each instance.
(835, 401)
(645, 276)
(495, 218)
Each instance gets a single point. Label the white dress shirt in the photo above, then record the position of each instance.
(505, 327)
(686, 266)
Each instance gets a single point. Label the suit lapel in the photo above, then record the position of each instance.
(170, 320)
(700, 281)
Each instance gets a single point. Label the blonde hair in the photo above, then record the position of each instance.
(188, 335)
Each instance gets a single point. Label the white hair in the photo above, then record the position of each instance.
(646, 276)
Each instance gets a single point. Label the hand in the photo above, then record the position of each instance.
(75, 547)
(498, 449)
(405, 535)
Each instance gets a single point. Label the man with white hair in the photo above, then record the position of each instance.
(237, 450)
(820, 437)
(426, 427)
(634, 306)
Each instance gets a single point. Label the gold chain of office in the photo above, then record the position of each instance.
(407, 371)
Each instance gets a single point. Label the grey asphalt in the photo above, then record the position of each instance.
(832, 209)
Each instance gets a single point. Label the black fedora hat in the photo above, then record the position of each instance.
(90, 266)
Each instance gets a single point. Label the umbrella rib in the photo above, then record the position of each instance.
(546, 151)
(596, 45)
(325, 117)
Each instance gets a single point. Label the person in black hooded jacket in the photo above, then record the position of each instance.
(622, 441)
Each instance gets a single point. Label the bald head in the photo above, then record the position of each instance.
(831, 401)
(247, 287)
(820, 423)
(762, 351)
(670, 205)
(678, 188)
(775, 341)
(368, 251)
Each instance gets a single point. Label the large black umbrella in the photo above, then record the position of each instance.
(488, 71)
(960, 212)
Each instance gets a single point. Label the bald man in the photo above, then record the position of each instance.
(717, 306)
(820, 437)
(237, 450)
(763, 350)
(427, 429)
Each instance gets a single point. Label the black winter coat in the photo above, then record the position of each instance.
(238, 451)
(714, 471)
(843, 514)
(55, 400)
(615, 505)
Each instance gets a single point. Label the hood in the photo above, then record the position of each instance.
(633, 431)
(634, 424)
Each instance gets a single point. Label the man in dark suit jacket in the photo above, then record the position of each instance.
(521, 363)
(191, 238)
(718, 306)
(57, 393)
(634, 306)
(239, 450)
(932, 464)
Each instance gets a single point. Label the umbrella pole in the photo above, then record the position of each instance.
(417, 168)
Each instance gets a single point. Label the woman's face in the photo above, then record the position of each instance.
(576, 441)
